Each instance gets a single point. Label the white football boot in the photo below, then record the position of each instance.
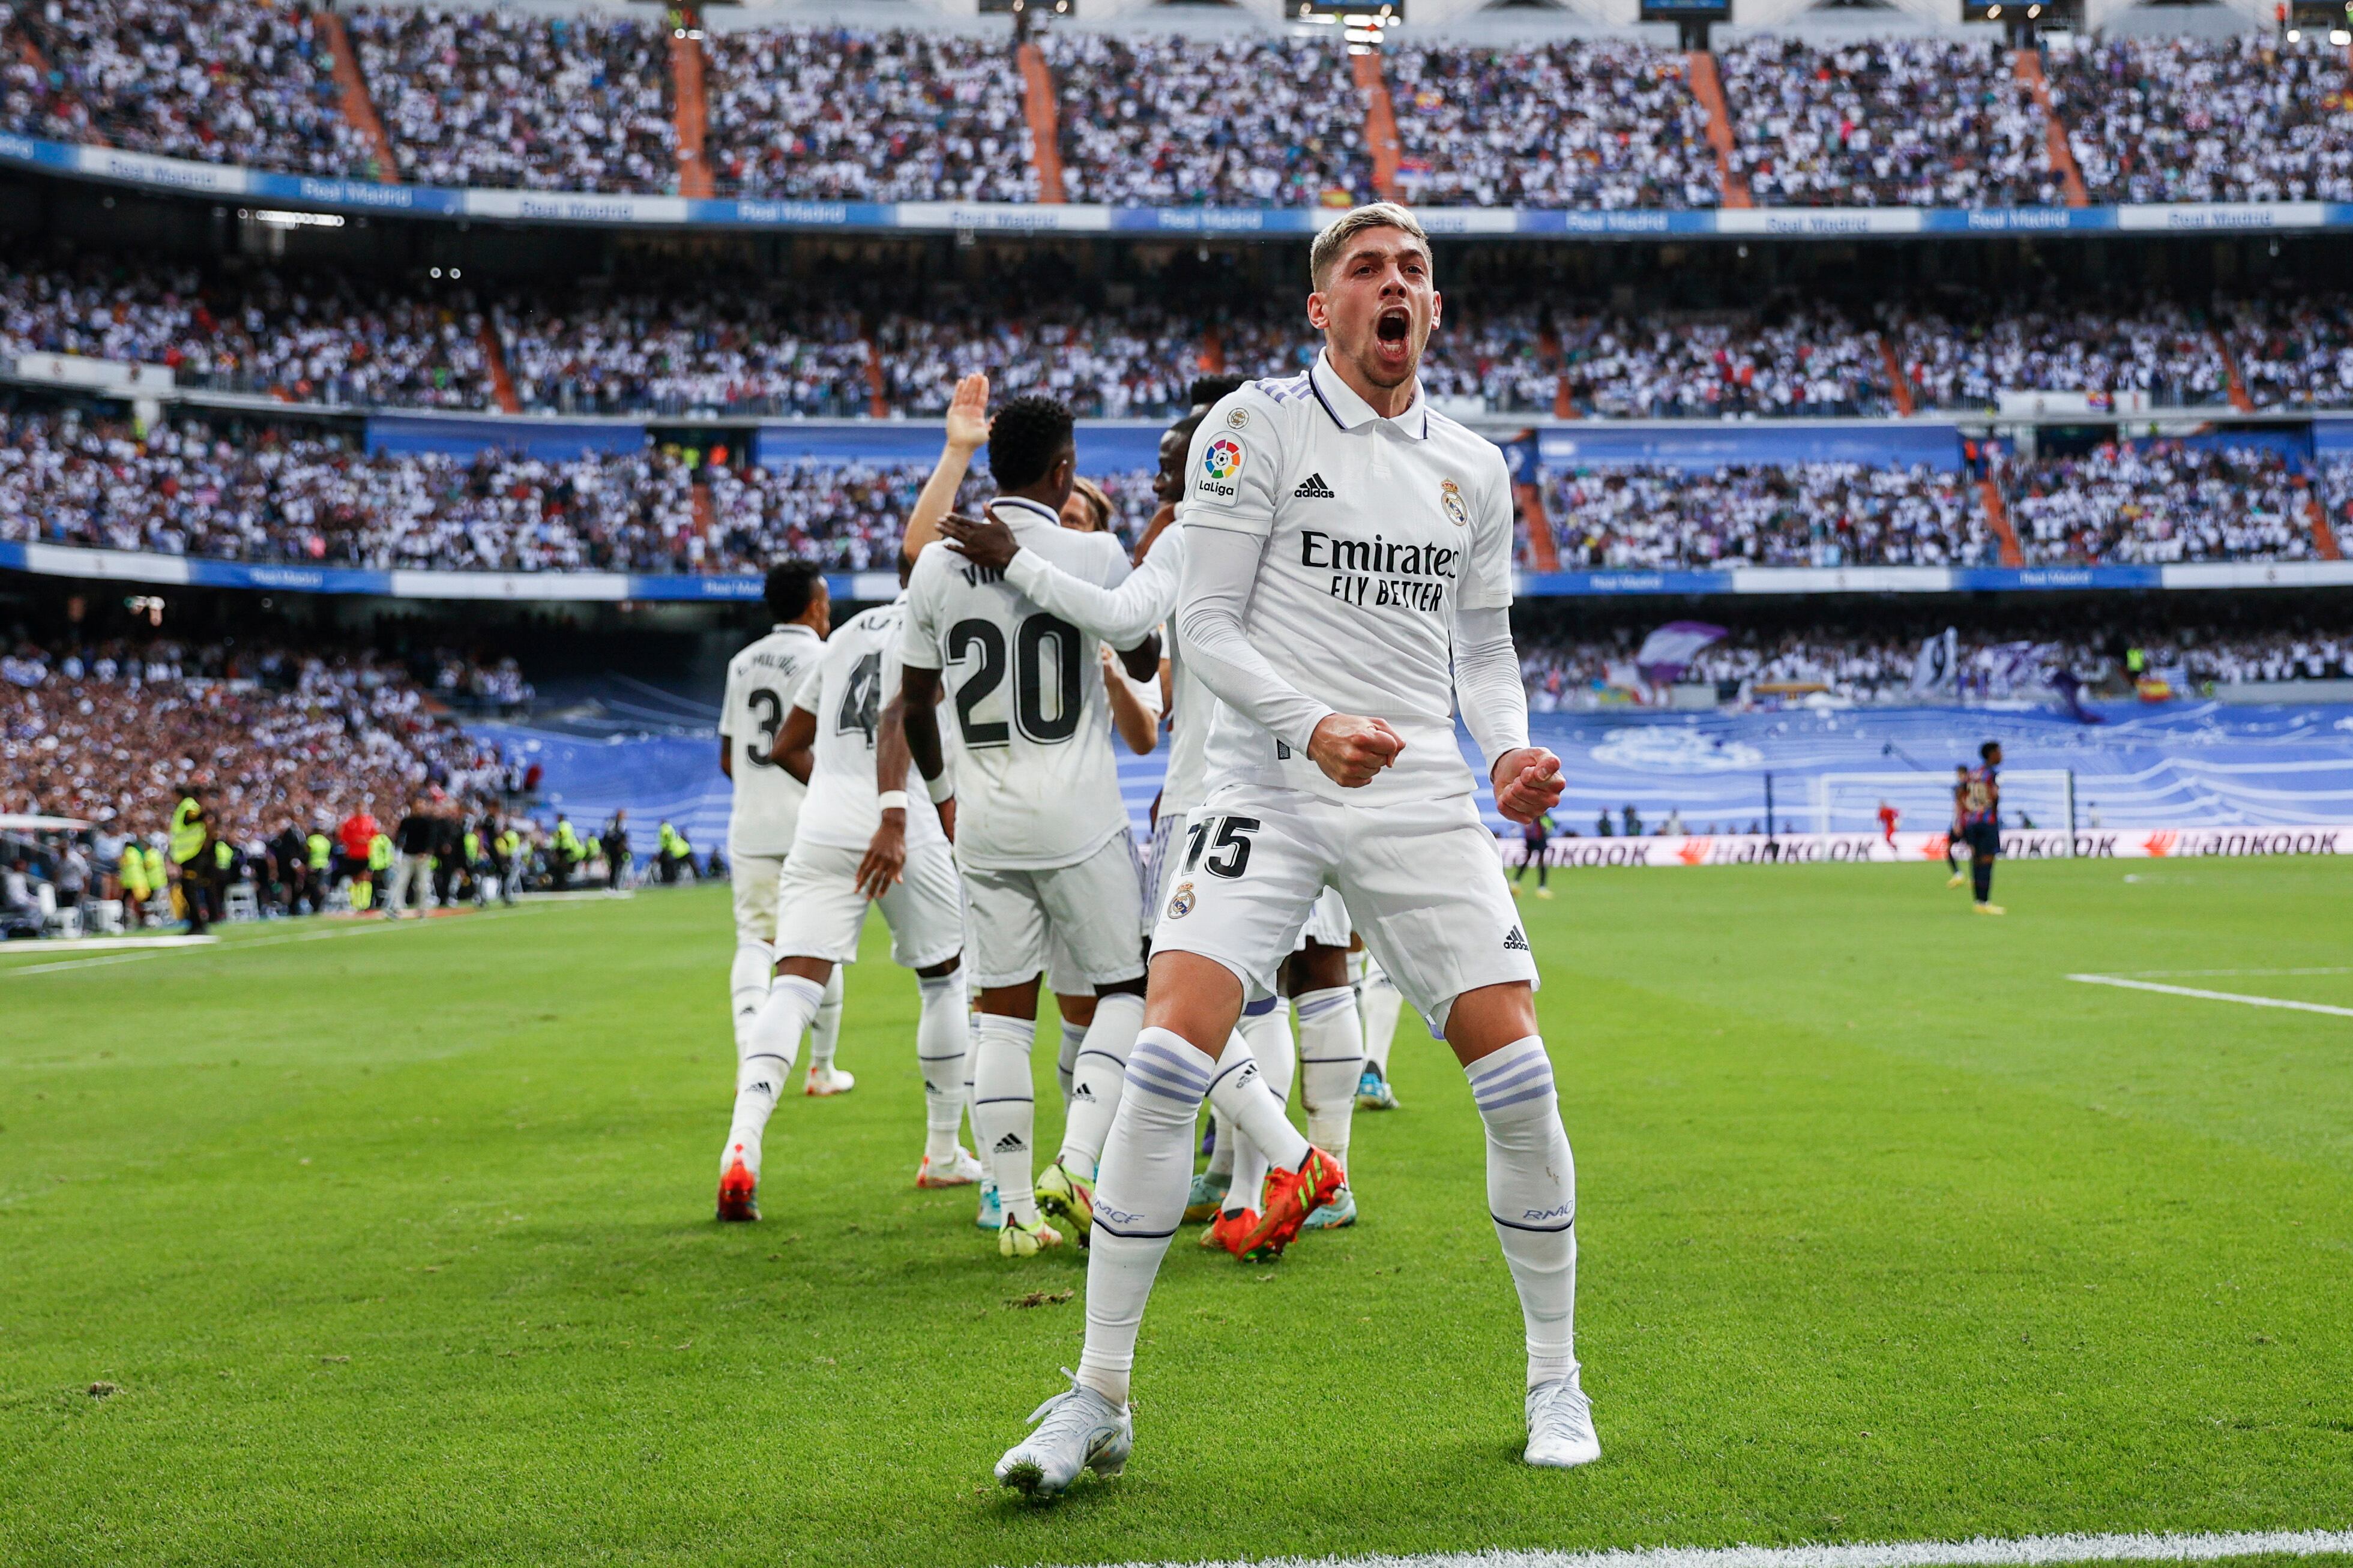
(1560, 1426)
(1078, 1430)
(826, 1080)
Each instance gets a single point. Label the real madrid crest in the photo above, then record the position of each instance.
(1450, 496)
(1237, 417)
(1180, 904)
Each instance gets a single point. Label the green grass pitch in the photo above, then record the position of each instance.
(397, 1248)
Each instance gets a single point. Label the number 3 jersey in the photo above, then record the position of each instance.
(761, 680)
(1036, 784)
(846, 690)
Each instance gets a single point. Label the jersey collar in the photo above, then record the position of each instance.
(1026, 511)
(803, 629)
(1350, 412)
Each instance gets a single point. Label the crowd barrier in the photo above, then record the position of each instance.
(1920, 848)
(188, 177)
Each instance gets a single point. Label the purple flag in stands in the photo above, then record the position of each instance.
(1668, 652)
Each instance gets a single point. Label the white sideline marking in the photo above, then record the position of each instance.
(2332, 968)
(1983, 1552)
(101, 943)
(2212, 995)
(169, 944)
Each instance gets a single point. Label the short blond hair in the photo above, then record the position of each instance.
(1335, 240)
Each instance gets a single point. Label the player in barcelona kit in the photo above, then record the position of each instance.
(1346, 590)
(1980, 813)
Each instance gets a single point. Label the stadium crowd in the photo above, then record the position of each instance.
(505, 96)
(1750, 665)
(1886, 123)
(1122, 350)
(1578, 123)
(1805, 514)
(2160, 501)
(107, 732)
(2247, 119)
(1155, 120)
(842, 114)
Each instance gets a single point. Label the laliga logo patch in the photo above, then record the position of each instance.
(1450, 496)
(1181, 904)
(1219, 464)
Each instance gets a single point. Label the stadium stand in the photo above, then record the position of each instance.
(1807, 514)
(503, 98)
(285, 734)
(2159, 501)
(1580, 123)
(2254, 119)
(840, 114)
(1886, 123)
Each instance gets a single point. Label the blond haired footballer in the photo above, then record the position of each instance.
(1346, 590)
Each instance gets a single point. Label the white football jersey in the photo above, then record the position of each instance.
(846, 690)
(761, 680)
(1375, 533)
(1127, 613)
(1036, 784)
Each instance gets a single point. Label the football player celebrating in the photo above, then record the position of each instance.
(1041, 833)
(1346, 590)
(766, 803)
(861, 837)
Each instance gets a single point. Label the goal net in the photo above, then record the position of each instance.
(1850, 803)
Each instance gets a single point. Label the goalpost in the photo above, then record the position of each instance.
(1850, 803)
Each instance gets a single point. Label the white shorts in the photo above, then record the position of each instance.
(1063, 975)
(755, 895)
(1420, 881)
(1168, 830)
(1327, 922)
(1095, 907)
(821, 910)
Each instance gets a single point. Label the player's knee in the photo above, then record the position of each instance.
(1490, 1017)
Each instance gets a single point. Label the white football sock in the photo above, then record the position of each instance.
(1066, 1060)
(1147, 1163)
(1003, 1109)
(1102, 1065)
(825, 1033)
(765, 1062)
(1263, 1135)
(971, 1111)
(1383, 1002)
(1330, 1057)
(942, 1040)
(747, 987)
(1532, 1197)
(1221, 1149)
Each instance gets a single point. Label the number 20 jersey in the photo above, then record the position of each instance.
(761, 680)
(1036, 784)
(846, 690)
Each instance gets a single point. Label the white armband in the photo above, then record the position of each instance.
(891, 800)
(940, 789)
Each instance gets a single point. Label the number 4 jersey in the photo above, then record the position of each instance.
(845, 691)
(761, 680)
(1036, 784)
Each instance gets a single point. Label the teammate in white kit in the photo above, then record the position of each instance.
(1041, 836)
(1347, 588)
(861, 838)
(1263, 1063)
(761, 679)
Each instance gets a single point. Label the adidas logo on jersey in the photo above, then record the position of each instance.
(1515, 941)
(1010, 1143)
(1312, 488)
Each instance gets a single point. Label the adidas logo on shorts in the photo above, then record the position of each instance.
(1515, 941)
(1312, 488)
(1011, 1144)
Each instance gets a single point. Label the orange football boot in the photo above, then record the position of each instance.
(1291, 1197)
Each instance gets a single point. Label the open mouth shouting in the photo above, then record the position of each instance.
(1393, 325)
